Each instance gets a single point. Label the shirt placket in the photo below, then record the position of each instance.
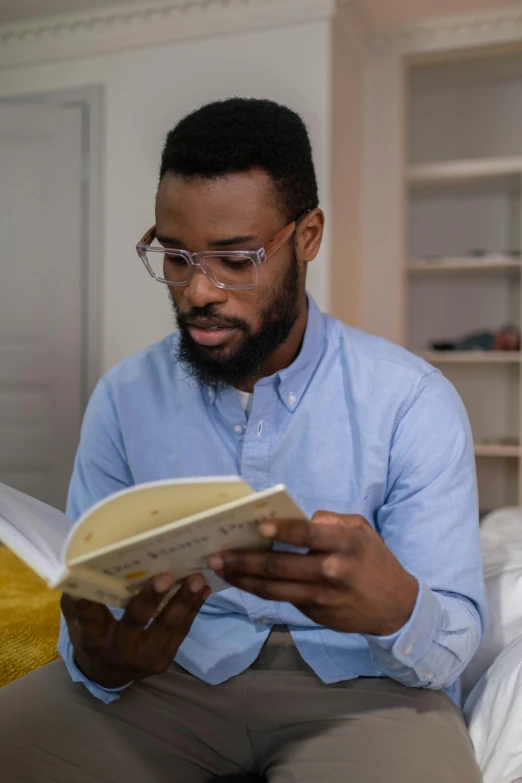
(258, 442)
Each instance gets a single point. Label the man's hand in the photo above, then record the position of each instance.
(349, 580)
(113, 653)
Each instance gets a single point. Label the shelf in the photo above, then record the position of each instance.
(464, 264)
(471, 357)
(458, 170)
(490, 450)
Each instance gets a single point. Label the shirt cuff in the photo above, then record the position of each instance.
(410, 645)
(66, 651)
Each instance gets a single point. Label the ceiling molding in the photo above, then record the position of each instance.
(484, 28)
(108, 30)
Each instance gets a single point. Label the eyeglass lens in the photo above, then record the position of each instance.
(236, 270)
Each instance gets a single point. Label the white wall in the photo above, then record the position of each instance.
(346, 239)
(146, 92)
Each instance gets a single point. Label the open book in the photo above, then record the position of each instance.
(164, 526)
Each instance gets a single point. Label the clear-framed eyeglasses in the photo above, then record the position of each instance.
(235, 270)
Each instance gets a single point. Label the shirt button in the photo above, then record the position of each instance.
(292, 399)
(260, 428)
(429, 676)
(211, 394)
(408, 649)
(238, 429)
(265, 620)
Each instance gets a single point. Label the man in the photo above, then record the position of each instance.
(336, 655)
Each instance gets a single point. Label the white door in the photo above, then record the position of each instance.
(41, 310)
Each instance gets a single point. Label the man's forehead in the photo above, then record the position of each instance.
(243, 195)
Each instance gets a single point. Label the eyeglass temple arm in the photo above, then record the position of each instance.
(148, 237)
(278, 241)
(271, 248)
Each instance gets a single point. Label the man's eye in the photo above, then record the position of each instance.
(236, 263)
(175, 260)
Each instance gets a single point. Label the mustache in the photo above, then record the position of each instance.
(209, 313)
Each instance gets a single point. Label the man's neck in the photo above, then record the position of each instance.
(283, 356)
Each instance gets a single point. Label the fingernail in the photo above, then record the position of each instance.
(267, 529)
(196, 583)
(216, 562)
(162, 583)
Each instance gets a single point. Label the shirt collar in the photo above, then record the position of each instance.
(292, 382)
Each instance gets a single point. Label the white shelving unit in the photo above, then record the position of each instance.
(465, 264)
(463, 185)
(489, 450)
(462, 170)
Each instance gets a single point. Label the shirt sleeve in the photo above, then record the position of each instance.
(100, 469)
(430, 522)
(66, 651)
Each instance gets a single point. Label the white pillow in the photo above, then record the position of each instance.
(494, 715)
(501, 541)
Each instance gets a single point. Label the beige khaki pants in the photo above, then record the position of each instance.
(277, 721)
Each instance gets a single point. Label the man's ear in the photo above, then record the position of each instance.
(310, 235)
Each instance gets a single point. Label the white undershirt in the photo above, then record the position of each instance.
(246, 399)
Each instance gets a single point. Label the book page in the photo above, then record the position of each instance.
(183, 547)
(35, 531)
(145, 507)
(91, 586)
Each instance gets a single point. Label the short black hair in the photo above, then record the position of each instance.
(239, 134)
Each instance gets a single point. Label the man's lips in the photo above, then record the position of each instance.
(209, 333)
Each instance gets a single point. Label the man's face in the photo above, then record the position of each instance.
(227, 336)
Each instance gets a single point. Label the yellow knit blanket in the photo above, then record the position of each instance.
(29, 619)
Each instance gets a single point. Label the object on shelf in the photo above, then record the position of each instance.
(505, 339)
(485, 255)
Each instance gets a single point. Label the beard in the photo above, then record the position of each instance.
(222, 368)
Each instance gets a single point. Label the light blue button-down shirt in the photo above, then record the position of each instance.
(354, 425)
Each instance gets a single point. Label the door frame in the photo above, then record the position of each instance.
(90, 99)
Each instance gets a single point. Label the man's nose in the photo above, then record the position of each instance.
(201, 291)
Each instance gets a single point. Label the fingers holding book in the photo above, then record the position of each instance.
(144, 642)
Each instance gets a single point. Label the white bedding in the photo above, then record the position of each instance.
(501, 542)
(494, 708)
(494, 715)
